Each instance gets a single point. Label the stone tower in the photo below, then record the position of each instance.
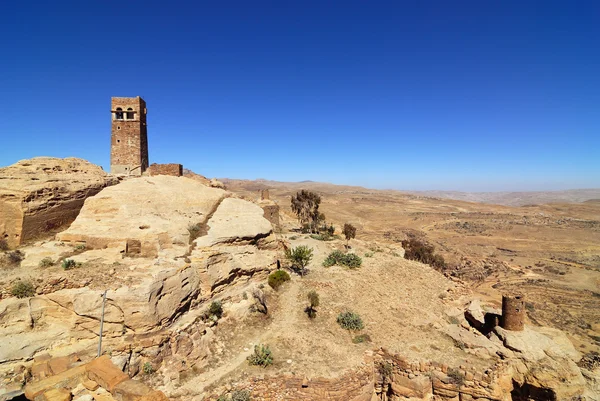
(513, 312)
(129, 136)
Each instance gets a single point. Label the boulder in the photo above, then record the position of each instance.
(547, 361)
(130, 390)
(235, 221)
(105, 373)
(69, 378)
(57, 394)
(160, 294)
(152, 212)
(40, 195)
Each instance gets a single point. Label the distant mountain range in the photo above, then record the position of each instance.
(498, 198)
(517, 198)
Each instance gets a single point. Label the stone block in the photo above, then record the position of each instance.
(69, 378)
(133, 247)
(419, 386)
(105, 373)
(90, 385)
(57, 394)
(40, 370)
(104, 396)
(130, 390)
(59, 365)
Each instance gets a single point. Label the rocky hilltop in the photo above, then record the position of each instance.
(185, 269)
(42, 194)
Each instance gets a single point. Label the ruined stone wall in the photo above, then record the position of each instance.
(129, 136)
(166, 169)
(271, 212)
(388, 377)
(351, 386)
(395, 377)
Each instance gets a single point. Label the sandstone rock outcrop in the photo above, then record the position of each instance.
(152, 213)
(235, 220)
(44, 193)
(149, 299)
(74, 314)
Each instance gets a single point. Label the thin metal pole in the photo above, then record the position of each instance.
(101, 323)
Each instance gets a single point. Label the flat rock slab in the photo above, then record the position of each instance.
(156, 211)
(105, 373)
(130, 390)
(236, 220)
(69, 378)
(155, 395)
(57, 394)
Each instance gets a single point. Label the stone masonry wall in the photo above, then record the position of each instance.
(271, 212)
(354, 386)
(396, 378)
(166, 169)
(129, 137)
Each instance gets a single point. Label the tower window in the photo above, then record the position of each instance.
(130, 113)
(119, 113)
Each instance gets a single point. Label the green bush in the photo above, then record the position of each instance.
(350, 321)
(277, 278)
(240, 395)
(313, 299)
(22, 289)
(80, 247)
(350, 260)
(362, 338)
(330, 230)
(333, 258)
(195, 231)
(261, 357)
(216, 309)
(68, 264)
(305, 205)
(300, 257)
(422, 252)
(349, 231)
(148, 368)
(456, 376)
(385, 369)
(46, 262)
(15, 257)
(322, 237)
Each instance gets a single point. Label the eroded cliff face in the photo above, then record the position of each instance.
(40, 195)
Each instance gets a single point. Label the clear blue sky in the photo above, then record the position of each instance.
(453, 95)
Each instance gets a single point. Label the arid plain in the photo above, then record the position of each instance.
(549, 252)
